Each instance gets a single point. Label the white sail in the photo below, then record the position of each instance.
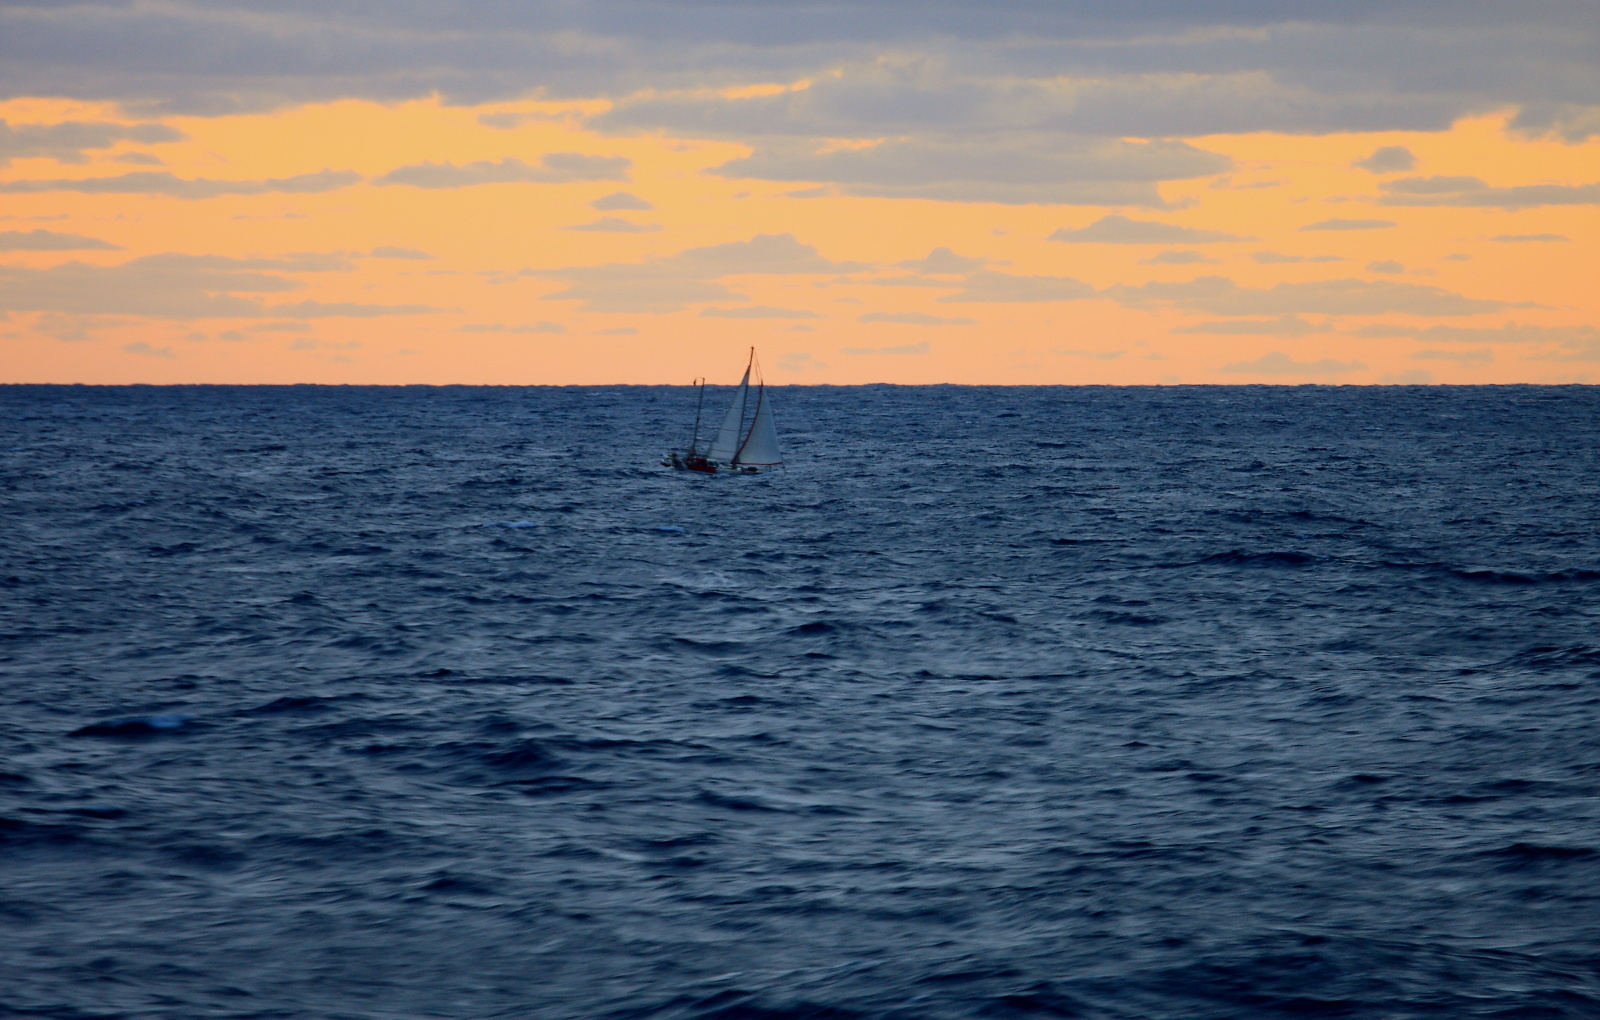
(761, 445)
(726, 444)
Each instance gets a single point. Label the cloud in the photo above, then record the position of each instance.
(500, 327)
(1388, 159)
(73, 328)
(170, 286)
(690, 276)
(1511, 332)
(553, 168)
(390, 251)
(160, 182)
(69, 141)
(758, 312)
(1387, 266)
(1272, 258)
(178, 286)
(49, 240)
(1004, 287)
(619, 201)
(1115, 229)
(617, 225)
(346, 309)
(1149, 69)
(1473, 192)
(943, 261)
(141, 348)
(911, 319)
(1015, 170)
(1285, 325)
(1522, 238)
(799, 362)
(1279, 363)
(1176, 258)
(617, 331)
(920, 348)
(1339, 224)
(1221, 296)
(1571, 122)
(1468, 359)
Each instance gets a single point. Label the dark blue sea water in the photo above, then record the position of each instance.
(1001, 702)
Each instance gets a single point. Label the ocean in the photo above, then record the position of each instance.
(1001, 702)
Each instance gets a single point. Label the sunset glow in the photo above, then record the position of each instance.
(605, 238)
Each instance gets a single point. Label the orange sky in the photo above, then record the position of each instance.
(1434, 297)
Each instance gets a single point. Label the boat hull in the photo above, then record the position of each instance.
(702, 465)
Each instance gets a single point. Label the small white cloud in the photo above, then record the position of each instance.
(1529, 238)
(1388, 267)
(618, 331)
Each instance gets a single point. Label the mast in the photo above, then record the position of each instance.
(694, 444)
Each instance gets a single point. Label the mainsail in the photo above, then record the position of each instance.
(726, 445)
(761, 445)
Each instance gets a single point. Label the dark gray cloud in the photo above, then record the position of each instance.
(553, 168)
(1236, 65)
(160, 182)
(1122, 230)
(1388, 159)
(70, 141)
(50, 240)
(1474, 192)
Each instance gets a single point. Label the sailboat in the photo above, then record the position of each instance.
(738, 448)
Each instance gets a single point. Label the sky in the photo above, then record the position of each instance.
(597, 191)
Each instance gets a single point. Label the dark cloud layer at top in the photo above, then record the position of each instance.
(1321, 65)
